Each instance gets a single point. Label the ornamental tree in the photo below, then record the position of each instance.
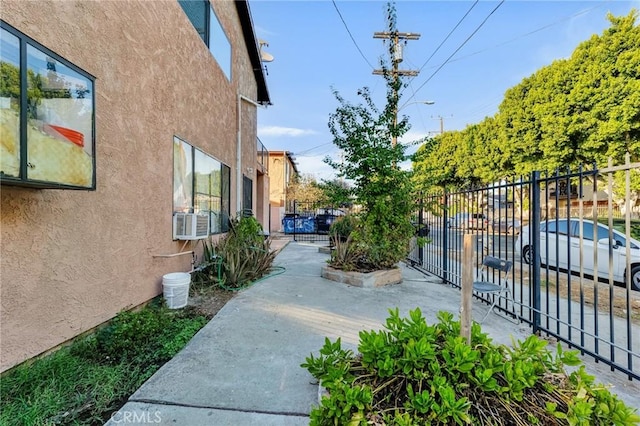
(366, 135)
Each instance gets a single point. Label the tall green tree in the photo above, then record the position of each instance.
(337, 192)
(305, 189)
(365, 135)
(579, 110)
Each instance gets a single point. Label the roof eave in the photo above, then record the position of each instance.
(254, 51)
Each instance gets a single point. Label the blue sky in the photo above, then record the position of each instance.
(314, 52)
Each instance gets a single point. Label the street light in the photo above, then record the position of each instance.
(416, 102)
(394, 139)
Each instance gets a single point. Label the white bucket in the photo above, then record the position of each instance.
(175, 288)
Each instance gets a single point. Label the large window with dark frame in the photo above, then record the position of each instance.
(206, 22)
(47, 118)
(201, 185)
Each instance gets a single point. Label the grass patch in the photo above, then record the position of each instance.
(85, 382)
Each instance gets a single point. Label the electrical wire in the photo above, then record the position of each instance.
(457, 50)
(312, 148)
(350, 35)
(544, 27)
(582, 12)
(449, 35)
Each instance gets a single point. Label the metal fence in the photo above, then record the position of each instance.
(575, 251)
(310, 221)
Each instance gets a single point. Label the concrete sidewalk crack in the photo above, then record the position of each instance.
(213, 407)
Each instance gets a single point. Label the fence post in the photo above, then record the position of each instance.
(294, 220)
(534, 238)
(467, 286)
(445, 238)
(420, 225)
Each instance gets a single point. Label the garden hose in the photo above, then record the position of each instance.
(274, 271)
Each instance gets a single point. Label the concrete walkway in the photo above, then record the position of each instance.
(243, 367)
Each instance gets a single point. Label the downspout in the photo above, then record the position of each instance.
(239, 151)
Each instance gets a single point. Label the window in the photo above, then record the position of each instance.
(46, 117)
(247, 193)
(196, 11)
(587, 231)
(204, 20)
(201, 185)
(219, 45)
(560, 227)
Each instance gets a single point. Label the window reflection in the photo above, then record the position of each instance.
(9, 104)
(182, 176)
(200, 185)
(59, 119)
(219, 44)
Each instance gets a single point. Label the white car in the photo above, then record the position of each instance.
(560, 241)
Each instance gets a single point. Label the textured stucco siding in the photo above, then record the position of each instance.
(70, 260)
(276, 177)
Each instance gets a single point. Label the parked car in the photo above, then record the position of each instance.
(468, 221)
(560, 248)
(505, 224)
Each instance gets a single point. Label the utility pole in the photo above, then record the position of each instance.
(441, 118)
(396, 38)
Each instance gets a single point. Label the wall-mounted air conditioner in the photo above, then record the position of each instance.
(190, 226)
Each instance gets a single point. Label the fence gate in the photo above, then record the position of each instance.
(574, 239)
(310, 221)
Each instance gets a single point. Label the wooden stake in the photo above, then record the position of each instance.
(467, 286)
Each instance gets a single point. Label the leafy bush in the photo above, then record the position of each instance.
(412, 373)
(367, 136)
(345, 254)
(376, 240)
(343, 227)
(245, 252)
(160, 331)
(209, 271)
(86, 381)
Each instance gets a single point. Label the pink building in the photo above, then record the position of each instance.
(116, 116)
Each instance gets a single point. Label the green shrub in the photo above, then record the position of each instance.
(345, 254)
(86, 381)
(209, 271)
(412, 373)
(149, 337)
(245, 252)
(128, 331)
(343, 227)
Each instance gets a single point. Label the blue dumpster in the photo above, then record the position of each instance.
(296, 224)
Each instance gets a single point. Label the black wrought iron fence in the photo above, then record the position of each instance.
(310, 221)
(576, 254)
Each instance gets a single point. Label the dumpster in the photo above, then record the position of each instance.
(297, 224)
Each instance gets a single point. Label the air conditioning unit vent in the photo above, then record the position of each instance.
(190, 226)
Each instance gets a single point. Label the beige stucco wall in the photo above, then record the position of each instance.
(276, 177)
(70, 260)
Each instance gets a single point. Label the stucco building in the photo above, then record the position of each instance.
(282, 173)
(116, 116)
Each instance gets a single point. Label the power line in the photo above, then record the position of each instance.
(449, 35)
(458, 49)
(312, 148)
(582, 12)
(350, 35)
